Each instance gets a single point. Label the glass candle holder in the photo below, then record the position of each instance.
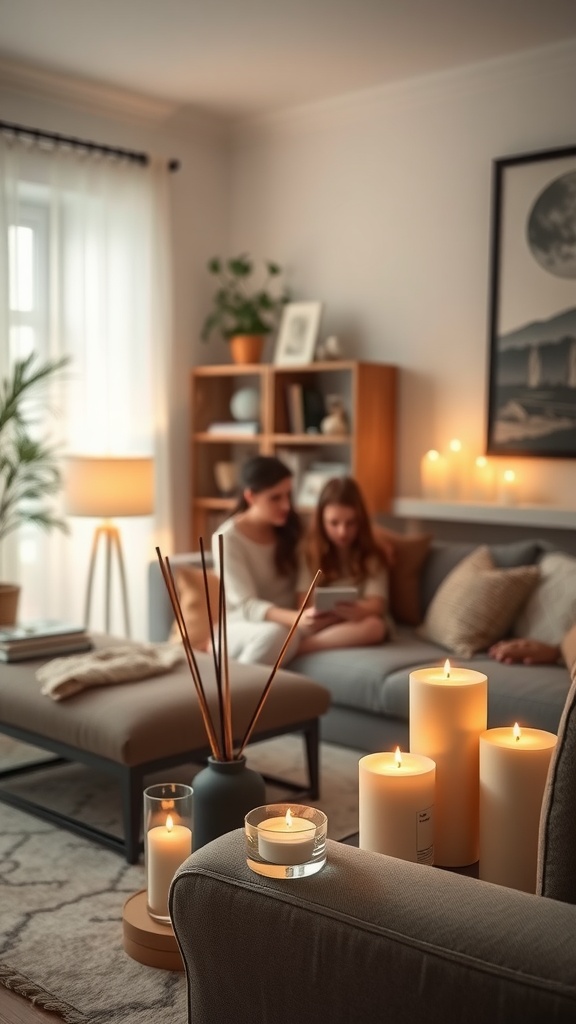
(285, 840)
(167, 841)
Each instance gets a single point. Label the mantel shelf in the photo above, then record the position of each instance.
(544, 516)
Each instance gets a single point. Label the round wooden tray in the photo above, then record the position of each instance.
(146, 940)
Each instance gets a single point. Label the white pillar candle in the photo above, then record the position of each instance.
(396, 805)
(514, 765)
(433, 475)
(167, 847)
(455, 470)
(508, 489)
(286, 840)
(483, 479)
(448, 711)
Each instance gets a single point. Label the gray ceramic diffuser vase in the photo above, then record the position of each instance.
(224, 792)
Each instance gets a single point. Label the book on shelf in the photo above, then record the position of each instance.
(240, 428)
(40, 638)
(295, 408)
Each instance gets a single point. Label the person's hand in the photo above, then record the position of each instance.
(312, 621)
(351, 611)
(525, 652)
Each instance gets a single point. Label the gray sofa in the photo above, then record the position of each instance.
(370, 686)
(374, 939)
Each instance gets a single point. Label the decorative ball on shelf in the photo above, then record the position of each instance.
(245, 404)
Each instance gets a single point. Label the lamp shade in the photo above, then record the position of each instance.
(109, 486)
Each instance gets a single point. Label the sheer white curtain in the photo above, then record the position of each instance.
(85, 271)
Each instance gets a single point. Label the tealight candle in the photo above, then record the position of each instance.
(396, 805)
(448, 711)
(286, 840)
(508, 487)
(514, 765)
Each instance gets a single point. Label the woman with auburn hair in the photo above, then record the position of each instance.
(260, 543)
(341, 543)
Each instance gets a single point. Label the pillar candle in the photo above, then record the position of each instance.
(455, 470)
(508, 488)
(167, 847)
(433, 475)
(514, 765)
(483, 479)
(396, 805)
(448, 711)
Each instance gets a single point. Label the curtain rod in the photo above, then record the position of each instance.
(71, 140)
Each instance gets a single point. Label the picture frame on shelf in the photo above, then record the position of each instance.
(298, 333)
(532, 355)
(313, 481)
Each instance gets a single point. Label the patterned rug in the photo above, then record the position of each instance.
(61, 896)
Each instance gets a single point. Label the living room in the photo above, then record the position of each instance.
(375, 196)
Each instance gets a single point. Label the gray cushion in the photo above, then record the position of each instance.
(556, 876)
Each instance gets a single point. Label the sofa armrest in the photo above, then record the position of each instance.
(371, 939)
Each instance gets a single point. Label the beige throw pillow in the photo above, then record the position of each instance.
(192, 598)
(476, 603)
(551, 609)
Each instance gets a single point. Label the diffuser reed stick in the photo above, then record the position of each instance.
(189, 651)
(276, 666)
(223, 750)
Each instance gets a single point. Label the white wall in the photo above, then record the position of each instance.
(379, 204)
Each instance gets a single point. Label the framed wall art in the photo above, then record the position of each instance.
(532, 371)
(298, 333)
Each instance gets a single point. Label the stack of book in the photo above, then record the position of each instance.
(40, 639)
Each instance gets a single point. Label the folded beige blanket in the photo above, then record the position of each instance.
(64, 677)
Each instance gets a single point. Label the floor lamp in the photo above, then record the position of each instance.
(109, 487)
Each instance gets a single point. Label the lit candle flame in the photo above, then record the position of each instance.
(517, 732)
(455, 445)
(433, 455)
(447, 668)
(509, 476)
(398, 757)
(169, 823)
(481, 461)
(288, 817)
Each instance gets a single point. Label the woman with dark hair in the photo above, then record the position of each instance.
(342, 544)
(260, 563)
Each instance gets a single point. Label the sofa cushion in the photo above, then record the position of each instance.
(445, 556)
(191, 593)
(551, 609)
(410, 552)
(476, 603)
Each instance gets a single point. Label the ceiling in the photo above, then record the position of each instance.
(242, 58)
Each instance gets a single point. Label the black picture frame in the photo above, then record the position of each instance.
(532, 316)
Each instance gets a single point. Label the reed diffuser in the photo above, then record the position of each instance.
(226, 789)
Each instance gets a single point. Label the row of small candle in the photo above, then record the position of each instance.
(471, 794)
(454, 476)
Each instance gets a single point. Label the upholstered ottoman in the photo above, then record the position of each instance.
(133, 729)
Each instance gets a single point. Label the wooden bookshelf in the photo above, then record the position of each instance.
(368, 391)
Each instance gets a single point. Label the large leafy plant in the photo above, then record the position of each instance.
(240, 306)
(30, 474)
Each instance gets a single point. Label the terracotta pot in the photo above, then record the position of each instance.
(247, 348)
(9, 594)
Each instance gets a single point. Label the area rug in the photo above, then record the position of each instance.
(61, 896)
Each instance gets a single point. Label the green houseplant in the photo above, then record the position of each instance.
(242, 308)
(30, 474)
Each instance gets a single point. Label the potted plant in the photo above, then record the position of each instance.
(244, 312)
(30, 474)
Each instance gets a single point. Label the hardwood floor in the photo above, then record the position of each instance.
(15, 1009)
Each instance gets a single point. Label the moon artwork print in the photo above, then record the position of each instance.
(532, 406)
